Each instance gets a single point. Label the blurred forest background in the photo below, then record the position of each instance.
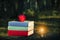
(33, 9)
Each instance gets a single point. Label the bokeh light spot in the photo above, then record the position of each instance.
(42, 30)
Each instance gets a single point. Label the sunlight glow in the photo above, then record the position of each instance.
(42, 30)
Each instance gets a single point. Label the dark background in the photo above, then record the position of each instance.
(37, 10)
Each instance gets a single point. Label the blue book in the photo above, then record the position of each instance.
(17, 23)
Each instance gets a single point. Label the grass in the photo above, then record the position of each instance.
(3, 31)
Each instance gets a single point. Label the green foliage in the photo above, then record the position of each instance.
(29, 12)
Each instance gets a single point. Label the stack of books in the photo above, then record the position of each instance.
(17, 28)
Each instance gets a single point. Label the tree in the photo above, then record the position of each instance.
(40, 4)
(20, 6)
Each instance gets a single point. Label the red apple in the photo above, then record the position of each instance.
(22, 18)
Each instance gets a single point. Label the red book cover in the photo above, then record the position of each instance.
(17, 33)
